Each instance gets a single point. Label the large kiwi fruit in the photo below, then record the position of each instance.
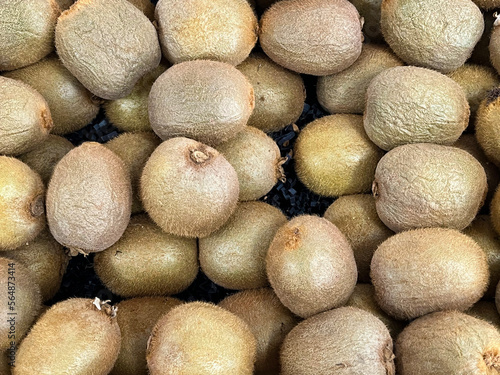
(370, 11)
(487, 311)
(188, 188)
(413, 191)
(146, 7)
(487, 126)
(206, 339)
(107, 45)
(89, 199)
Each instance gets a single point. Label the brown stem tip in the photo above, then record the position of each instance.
(105, 307)
(199, 157)
(492, 360)
(37, 206)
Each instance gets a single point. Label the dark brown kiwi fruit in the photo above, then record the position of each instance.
(146, 7)
(487, 126)
(487, 311)
(370, 11)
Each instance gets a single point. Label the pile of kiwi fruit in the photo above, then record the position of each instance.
(238, 187)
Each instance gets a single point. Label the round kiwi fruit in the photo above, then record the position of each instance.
(234, 256)
(208, 101)
(311, 266)
(269, 322)
(345, 340)
(22, 196)
(279, 93)
(83, 337)
(412, 190)
(188, 188)
(333, 156)
(146, 7)
(429, 269)
(438, 35)
(201, 338)
(107, 45)
(487, 311)
(370, 11)
(89, 199)
(345, 92)
(487, 128)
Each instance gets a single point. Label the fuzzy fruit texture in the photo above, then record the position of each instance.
(494, 46)
(107, 45)
(488, 126)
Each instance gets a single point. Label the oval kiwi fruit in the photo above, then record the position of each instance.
(487, 311)
(370, 11)
(333, 156)
(146, 7)
(188, 188)
(89, 199)
(487, 128)
(413, 191)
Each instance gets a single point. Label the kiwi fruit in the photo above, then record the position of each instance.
(346, 340)
(317, 37)
(333, 156)
(487, 128)
(189, 189)
(22, 196)
(357, 219)
(257, 160)
(311, 266)
(201, 338)
(438, 35)
(134, 149)
(234, 256)
(269, 322)
(370, 11)
(448, 342)
(83, 337)
(208, 101)
(487, 311)
(146, 7)
(411, 190)
(220, 30)
(107, 45)
(279, 93)
(89, 199)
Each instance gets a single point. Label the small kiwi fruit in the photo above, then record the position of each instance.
(370, 11)
(429, 269)
(234, 256)
(487, 311)
(188, 188)
(411, 190)
(346, 340)
(333, 156)
(146, 7)
(487, 128)
(89, 199)
(201, 338)
(107, 45)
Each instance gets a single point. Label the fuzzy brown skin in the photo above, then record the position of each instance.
(82, 339)
(64, 4)
(333, 156)
(413, 191)
(204, 100)
(495, 211)
(89, 199)
(234, 256)
(146, 7)
(370, 11)
(446, 343)
(279, 93)
(21, 203)
(345, 92)
(200, 338)
(487, 126)
(311, 266)
(346, 340)
(112, 55)
(487, 311)
(425, 270)
(495, 46)
(269, 321)
(4, 364)
(487, 4)
(189, 189)
(317, 37)
(420, 31)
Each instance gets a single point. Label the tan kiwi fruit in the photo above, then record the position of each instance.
(134, 149)
(269, 322)
(370, 11)
(279, 93)
(146, 7)
(487, 311)
(208, 101)
(89, 199)
(333, 156)
(346, 340)
(257, 160)
(438, 35)
(22, 196)
(429, 269)
(345, 92)
(411, 190)
(188, 188)
(448, 342)
(109, 57)
(136, 318)
(487, 126)
(317, 37)
(220, 30)
(83, 336)
(204, 338)
(234, 256)
(311, 266)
